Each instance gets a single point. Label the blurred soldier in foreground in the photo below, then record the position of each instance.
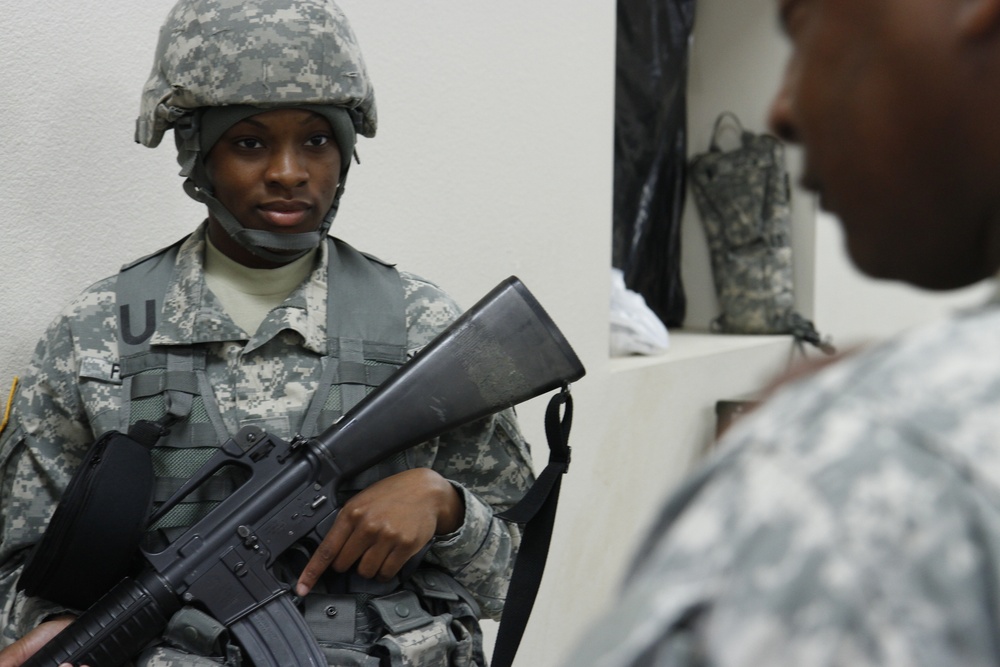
(855, 518)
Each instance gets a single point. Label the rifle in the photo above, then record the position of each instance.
(503, 351)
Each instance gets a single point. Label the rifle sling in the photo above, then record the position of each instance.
(536, 512)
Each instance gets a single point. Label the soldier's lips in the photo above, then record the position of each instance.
(286, 214)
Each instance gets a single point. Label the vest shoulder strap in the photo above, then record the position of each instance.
(366, 331)
(365, 300)
(140, 290)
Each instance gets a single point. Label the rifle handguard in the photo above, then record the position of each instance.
(100, 637)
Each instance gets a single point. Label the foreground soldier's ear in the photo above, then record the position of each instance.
(979, 19)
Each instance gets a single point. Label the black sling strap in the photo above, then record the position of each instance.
(537, 513)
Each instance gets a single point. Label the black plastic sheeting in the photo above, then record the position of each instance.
(651, 149)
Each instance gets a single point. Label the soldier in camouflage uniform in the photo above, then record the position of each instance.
(854, 519)
(265, 99)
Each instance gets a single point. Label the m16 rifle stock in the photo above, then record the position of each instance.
(501, 352)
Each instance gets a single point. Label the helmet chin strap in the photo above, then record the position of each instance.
(260, 242)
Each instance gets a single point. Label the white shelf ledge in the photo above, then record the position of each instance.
(686, 345)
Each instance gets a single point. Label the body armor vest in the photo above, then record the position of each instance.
(432, 617)
(366, 334)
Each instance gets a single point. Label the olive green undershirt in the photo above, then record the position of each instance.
(248, 295)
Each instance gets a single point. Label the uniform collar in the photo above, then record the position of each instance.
(192, 314)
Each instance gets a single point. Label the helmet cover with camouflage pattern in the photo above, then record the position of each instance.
(265, 53)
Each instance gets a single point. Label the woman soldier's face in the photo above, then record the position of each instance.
(275, 171)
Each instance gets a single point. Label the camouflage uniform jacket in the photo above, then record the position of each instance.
(272, 375)
(853, 520)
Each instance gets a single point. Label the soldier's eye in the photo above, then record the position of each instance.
(318, 140)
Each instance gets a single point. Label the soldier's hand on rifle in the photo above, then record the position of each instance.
(25, 647)
(383, 526)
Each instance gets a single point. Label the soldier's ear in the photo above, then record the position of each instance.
(979, 19)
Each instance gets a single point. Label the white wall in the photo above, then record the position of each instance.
(494, 157)
(77, 197)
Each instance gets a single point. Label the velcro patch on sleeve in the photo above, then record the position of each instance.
(97, 368)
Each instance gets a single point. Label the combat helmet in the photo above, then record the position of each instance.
(219, 61)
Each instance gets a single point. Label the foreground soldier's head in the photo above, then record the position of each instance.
(895, 103)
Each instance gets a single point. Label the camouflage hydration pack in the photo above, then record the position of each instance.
(743, 198)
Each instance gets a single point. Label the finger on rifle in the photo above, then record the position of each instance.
(326, 552)
(377, 563)
(394, 563)
(381, 534)
(358, 532)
